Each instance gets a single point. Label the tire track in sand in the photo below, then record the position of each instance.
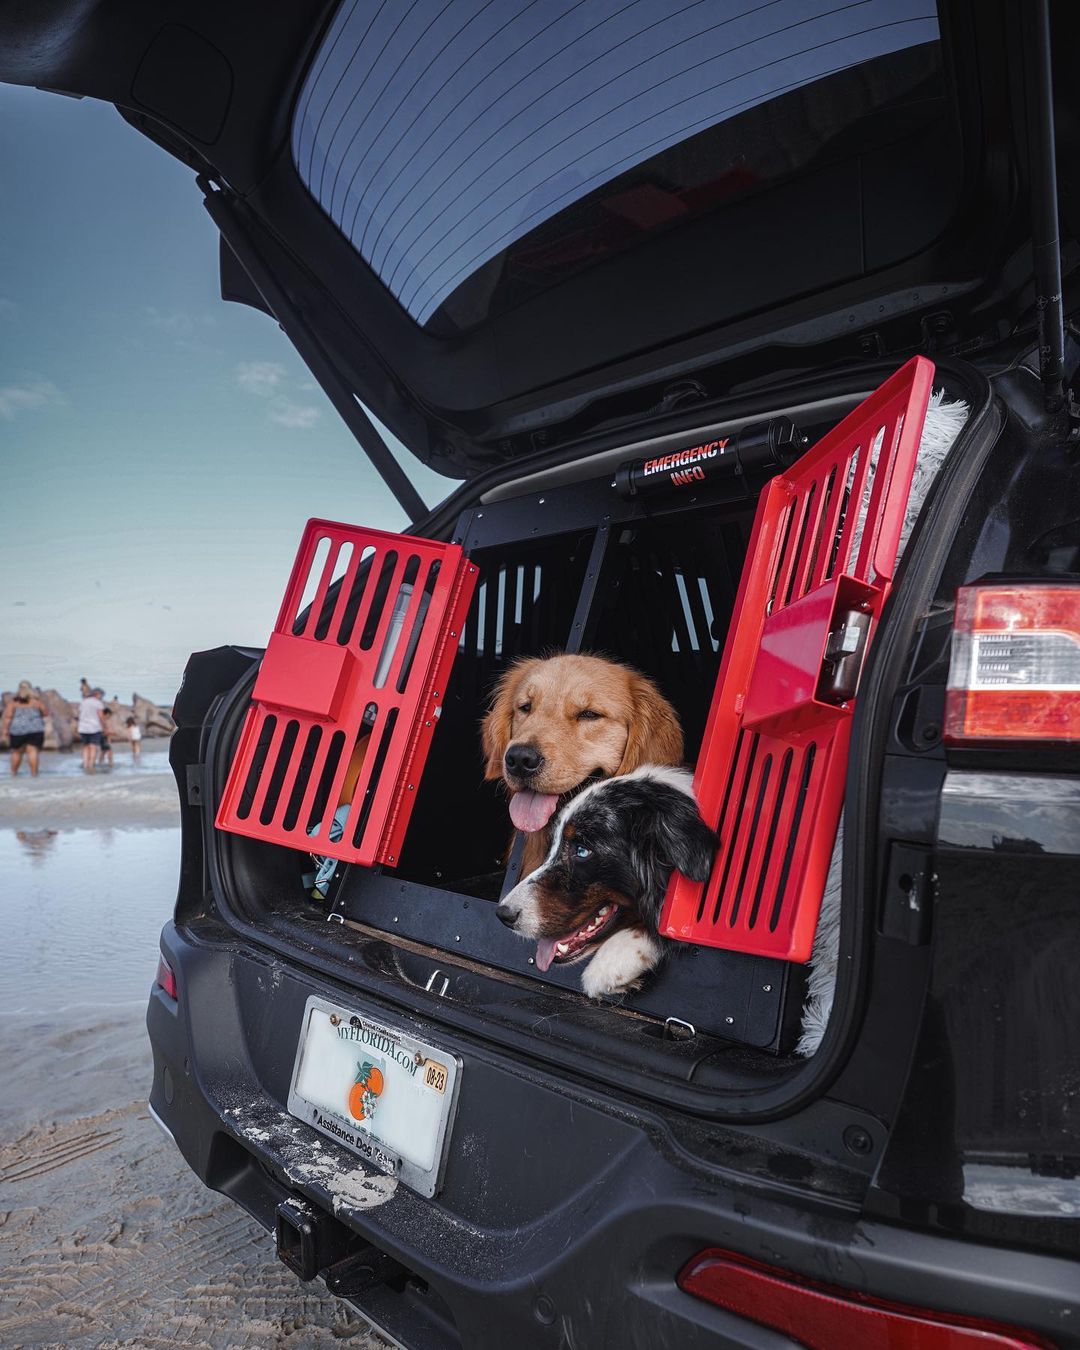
(60, 1155)
(107, 1240)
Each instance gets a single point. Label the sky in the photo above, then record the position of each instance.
(160, 450)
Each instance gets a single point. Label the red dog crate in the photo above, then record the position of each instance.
(349, 693)
(772, 768)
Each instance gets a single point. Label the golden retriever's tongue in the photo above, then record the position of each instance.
(545, 953)
(531, 811)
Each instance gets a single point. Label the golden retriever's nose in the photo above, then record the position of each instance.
(522, 761)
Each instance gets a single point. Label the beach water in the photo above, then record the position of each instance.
(108, 1239)
(82, 914)
(68, 763)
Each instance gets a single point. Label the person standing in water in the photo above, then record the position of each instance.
(24, 723)
(89, 726)
(134, 736)
(106, 755)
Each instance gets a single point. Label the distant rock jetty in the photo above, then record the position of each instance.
(60, 722)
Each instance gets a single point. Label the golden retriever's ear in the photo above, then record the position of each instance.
(655, 736)
(496, 726)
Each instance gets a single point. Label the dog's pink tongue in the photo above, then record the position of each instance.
(531, 811)
(545, 953)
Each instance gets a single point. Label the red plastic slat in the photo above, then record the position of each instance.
(376, 684)
(764, 893)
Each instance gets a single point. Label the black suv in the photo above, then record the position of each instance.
(567, 253)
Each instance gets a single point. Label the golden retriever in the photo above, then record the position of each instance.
(557, 723)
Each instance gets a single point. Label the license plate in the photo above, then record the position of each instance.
(385, 1095)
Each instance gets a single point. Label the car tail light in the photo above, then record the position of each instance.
(820, 1317)
(1015, 672)
(165, 979)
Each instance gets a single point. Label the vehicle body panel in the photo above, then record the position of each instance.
(559, 1207)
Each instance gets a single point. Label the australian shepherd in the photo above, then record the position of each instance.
(598, 892)
(558, 723)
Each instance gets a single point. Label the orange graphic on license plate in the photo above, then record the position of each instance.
(365, 1091)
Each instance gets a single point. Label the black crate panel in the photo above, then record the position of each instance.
(727, 994)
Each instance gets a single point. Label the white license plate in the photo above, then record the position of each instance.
(382, 1093)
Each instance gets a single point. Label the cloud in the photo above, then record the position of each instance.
(17, 398)
(178, 322)
(269, 380)
(260, 377)
(186, 331)
(299, 416)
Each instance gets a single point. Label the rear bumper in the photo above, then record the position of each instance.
(563, 1218)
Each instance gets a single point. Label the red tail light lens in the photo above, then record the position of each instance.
(1015, 672)
(165, 979)
(822, 1318)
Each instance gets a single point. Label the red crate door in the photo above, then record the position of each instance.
(349, 693)
(770, 776)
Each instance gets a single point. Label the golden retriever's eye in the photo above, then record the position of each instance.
(588, 715)
(525, 707)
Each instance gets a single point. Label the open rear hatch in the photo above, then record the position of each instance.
(505, 233)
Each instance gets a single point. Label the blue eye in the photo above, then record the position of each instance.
(580, 851)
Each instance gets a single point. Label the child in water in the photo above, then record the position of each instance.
(106, 744)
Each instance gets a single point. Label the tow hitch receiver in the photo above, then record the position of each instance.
(313, 1243)
(307, 1240)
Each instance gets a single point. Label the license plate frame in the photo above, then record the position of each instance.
(321, 1095)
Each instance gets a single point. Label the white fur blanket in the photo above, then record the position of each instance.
(943, 424)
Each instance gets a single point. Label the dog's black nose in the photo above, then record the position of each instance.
(506, 915)
(522, 760)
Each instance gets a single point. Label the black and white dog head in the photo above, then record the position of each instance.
(600, 889)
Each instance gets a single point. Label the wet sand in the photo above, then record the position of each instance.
(106, 1238)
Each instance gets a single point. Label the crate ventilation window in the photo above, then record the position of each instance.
(349, 693)
(773, 762)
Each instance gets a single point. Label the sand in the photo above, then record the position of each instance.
(106, 1238)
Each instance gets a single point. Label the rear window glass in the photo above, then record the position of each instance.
(477, 153)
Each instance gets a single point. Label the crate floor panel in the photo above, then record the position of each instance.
(727, 994)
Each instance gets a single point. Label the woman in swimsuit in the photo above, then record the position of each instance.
(24, 723)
